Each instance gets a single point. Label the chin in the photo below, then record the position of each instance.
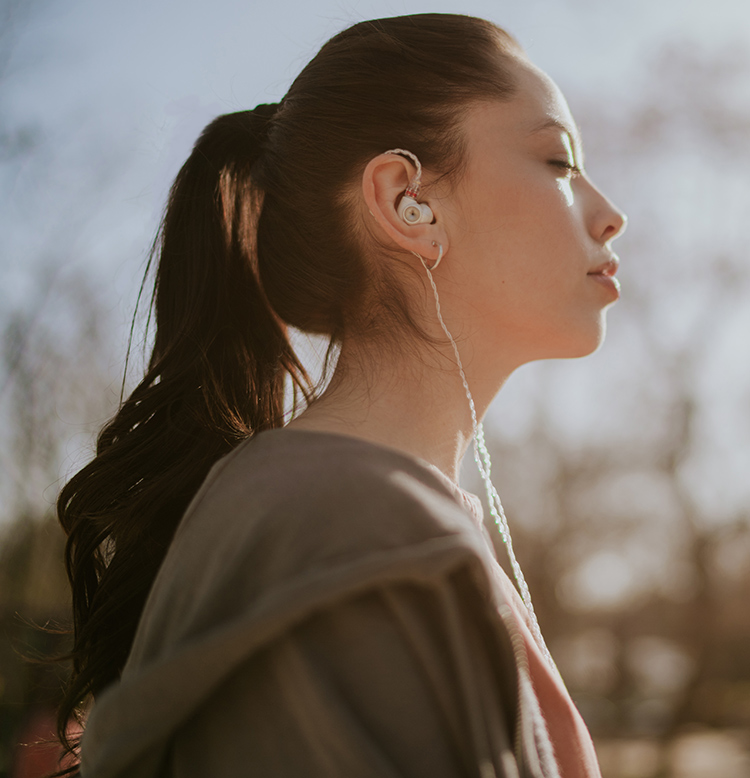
(563, 341)
(579, 344)
(591, 341)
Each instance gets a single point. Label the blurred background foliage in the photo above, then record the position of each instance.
(625, 476)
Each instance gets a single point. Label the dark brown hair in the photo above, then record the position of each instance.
(258, 234)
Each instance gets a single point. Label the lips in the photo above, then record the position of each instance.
(608, 268)
(605, 275)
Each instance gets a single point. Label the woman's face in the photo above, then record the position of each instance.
(529, 257)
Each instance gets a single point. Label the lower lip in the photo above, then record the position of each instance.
(609, 282)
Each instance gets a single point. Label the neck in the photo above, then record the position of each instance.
(416, 405)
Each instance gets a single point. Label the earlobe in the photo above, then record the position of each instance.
(439, 247)
(430, 268)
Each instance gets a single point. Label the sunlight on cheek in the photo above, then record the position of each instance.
(565, 186)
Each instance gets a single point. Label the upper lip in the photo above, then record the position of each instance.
(606, 268)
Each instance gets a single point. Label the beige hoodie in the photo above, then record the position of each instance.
(328, 607)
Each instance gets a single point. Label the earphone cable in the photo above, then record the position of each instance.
(484, 465)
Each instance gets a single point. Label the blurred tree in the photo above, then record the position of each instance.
(56, 389)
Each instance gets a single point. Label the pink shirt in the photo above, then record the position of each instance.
(574, 749)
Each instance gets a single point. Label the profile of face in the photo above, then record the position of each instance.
(529, 270)
(529, 234)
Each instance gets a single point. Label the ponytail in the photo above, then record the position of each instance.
(216, 376)
(260, 231)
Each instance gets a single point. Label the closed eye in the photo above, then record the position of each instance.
(565, 165)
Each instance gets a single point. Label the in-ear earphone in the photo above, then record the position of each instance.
(409, 209)
(413, 212)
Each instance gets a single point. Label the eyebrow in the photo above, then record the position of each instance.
(575, 134)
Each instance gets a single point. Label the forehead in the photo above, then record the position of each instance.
(539, 98)
(538, 110)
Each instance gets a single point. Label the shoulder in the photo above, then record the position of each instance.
(288, 530)
(292, 521)
(325, 494)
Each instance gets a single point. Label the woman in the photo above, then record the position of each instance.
(330, 605)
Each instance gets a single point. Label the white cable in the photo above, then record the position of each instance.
(416, 182)
(484, 465)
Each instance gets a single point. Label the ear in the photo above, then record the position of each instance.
(384, 181)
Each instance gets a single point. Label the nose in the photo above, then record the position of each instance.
(607, 220)
(618, 224)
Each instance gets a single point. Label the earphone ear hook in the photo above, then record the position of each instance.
(409, 210)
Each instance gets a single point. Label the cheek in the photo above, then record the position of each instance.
(523, 266)
(518, 202)
(525, 231)
(565, 185)
(525, 257)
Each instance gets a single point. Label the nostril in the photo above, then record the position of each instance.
(616, 228)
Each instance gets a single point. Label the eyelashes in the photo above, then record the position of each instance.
(574, 170)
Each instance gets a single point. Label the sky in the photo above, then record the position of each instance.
(116, 93)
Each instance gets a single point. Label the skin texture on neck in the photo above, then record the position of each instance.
(417, 405)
